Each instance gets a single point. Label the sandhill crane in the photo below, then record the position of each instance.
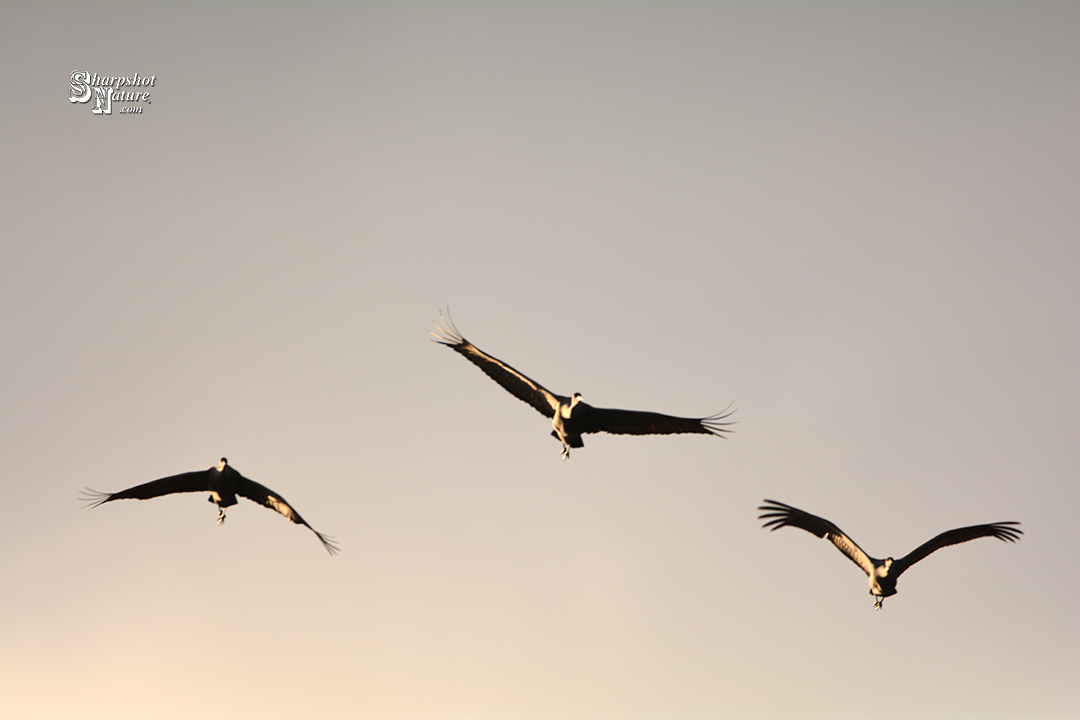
(571, 417)
(223, 482)
(882, 574)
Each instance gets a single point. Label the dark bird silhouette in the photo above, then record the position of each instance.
(882, 574)
(571, 417)
(224, 484)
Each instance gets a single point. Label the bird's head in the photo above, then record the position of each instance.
(221, 464)
(566, 409)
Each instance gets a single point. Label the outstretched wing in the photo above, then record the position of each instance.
(184, 482)
(1002, 531)
(514, 382)
(785, 515)
(634, 422)
(268, 498)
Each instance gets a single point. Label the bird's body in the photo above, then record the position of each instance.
(223, 482)
(881, 574)
(571, 417)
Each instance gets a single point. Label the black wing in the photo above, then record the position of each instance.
(268, 498)
(184, 482)
(787, 516)
(1002, 531)
(634, 422)
(514, 382)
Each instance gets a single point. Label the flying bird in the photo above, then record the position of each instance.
(571, 417)
(882, 574)
(224, 484)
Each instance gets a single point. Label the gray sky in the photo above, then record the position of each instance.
(857, 223)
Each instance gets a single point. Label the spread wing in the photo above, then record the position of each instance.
(785, 515)
(634, 422)
(268, 498)
(184, 482)
(514, 382)
(1002, 531)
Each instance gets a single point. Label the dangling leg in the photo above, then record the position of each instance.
(220, 515)
(565, 451)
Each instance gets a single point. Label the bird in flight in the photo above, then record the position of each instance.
(571, 417)
(882, 574)
(224, 484)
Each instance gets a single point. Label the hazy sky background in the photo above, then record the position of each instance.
(857, 223)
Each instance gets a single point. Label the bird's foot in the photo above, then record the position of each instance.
(565, 451)
(221, 516)
(877, 603)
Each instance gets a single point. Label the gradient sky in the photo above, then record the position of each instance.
(858, 223)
